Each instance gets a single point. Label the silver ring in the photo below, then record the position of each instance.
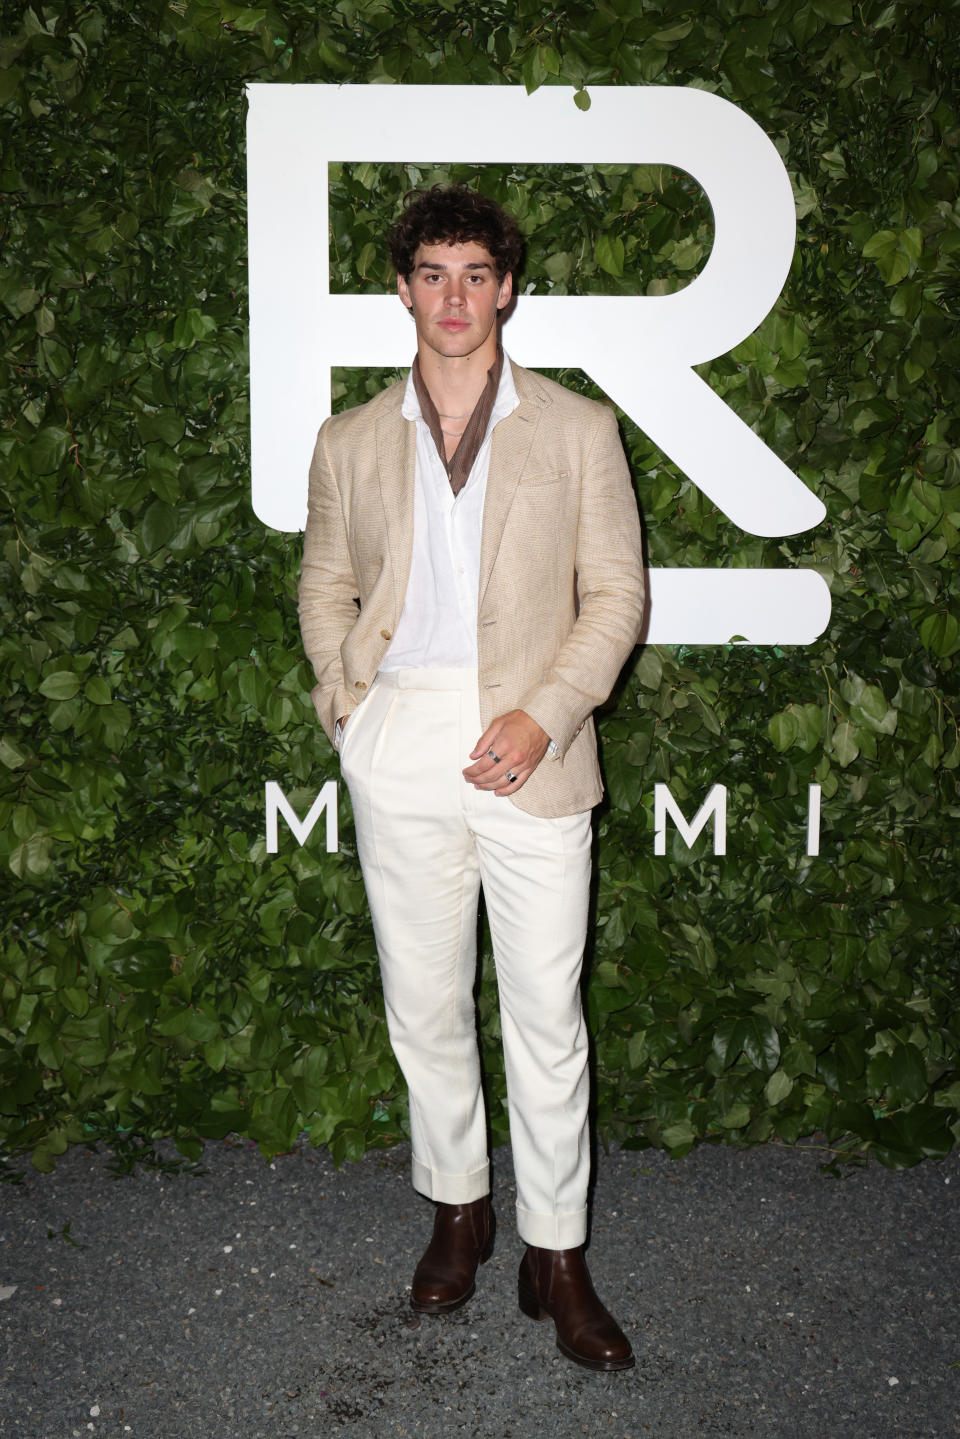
(511, 777)
(494, 757)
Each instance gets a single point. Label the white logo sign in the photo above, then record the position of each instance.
(665, 807)
(277, 804)
(640, 349)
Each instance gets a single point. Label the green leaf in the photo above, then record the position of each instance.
(48, 449)
(904, 1139)
(215, 1053)
(845, 743)
(609, 254)
(160, 524)
(836, 12)
(784, 730)
(726, 1042)
(164, 424)
(798, 1058)
(611, 976)
(678, 1138)
(191, 326)
(908, 1073)
(61, 685)
(760, 1042)
(873, 711)
(883, 243)
(250, 19)
(76, 1000)
(939, 633)
(97, 690)
(736, 1117)
(191, 1023)
(534, 73)
(11, 755)
(678, 31)
(778, 1087)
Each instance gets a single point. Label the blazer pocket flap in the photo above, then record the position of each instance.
(544, 477)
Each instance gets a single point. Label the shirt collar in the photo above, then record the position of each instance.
(505, 403)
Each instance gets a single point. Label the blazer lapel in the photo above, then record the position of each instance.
(396, 462)
(512, 442)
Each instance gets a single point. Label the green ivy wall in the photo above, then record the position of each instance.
(161, 973)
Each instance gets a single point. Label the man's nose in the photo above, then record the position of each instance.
(456, 295)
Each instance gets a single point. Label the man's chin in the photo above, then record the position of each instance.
(457, 346)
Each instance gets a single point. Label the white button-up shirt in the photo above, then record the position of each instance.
(438, 622)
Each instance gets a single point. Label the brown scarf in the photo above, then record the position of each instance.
(458, 468)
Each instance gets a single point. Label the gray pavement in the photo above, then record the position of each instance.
(762, 1296)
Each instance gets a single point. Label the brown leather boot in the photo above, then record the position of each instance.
(462, 1239)
(556, 1282)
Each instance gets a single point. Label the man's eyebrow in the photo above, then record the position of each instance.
(440, 265)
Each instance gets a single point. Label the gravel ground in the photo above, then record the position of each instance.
(255, 1301)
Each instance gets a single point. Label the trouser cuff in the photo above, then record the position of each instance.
(451, 1188)
(552, 1231)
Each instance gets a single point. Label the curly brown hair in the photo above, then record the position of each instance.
(454, 215)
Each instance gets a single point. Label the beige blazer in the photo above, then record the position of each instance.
(561, 575)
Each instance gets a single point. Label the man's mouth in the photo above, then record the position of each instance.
(453, 324)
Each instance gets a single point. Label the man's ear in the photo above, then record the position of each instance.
(403, 290)
(506, 291)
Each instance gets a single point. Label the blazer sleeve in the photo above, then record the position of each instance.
(610, 589)
(328, 588)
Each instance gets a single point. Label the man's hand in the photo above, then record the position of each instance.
(512, 745)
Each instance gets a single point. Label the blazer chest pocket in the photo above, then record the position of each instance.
(544, 478)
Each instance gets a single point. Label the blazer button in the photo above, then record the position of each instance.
(360, 685)
(386, 635)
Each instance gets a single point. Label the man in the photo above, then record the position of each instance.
(483, 519)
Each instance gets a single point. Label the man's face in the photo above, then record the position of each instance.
(454, 294)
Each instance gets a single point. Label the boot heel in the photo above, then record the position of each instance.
(487, 1250)
(529, 1303)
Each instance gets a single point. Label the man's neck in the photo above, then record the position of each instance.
(456, 382)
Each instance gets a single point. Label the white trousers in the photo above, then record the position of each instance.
(427, 840)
